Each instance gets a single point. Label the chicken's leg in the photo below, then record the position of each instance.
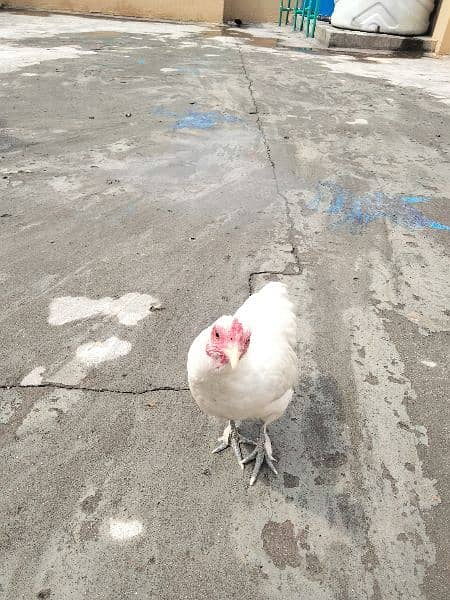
(263, 451)
(232, 437)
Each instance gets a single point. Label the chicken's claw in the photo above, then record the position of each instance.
(231, 437)
(263, 451)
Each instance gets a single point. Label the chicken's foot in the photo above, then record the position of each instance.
(263, 451)
(232, 437)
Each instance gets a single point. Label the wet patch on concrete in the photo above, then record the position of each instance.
(290, 481)
(280, 543)
(90, 503)
(89, 530)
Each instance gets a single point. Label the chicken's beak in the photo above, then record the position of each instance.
(232, 353)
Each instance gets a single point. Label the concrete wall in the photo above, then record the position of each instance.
(252, 11)
(213, 11)
(177, 10)
(441, 32)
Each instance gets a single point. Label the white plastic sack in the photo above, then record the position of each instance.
(405, 17)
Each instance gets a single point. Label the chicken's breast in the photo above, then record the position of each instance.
(261, 386)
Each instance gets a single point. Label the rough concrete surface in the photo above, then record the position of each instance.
(332, 37)
(152, 175)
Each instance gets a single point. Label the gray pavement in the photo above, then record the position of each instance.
(151, 175)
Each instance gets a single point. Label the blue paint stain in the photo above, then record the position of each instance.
(163, 112)
(196, 119)
(204, 120)
(337, 204)
(193, 70)
(141, 61)
(357, 212)
(415, 199)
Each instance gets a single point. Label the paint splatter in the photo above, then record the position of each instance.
(48, 410)
(34, 377)
(164, 112)
(128, 309)
(13, 58)
(357, 212)
(141, 61)
(87, 356)
(124, 530)
(197, 119)
(428, 363)
(204, 120)
(193, 70)
(357, 122)
(94, 353)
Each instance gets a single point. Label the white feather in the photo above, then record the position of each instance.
(261, 386)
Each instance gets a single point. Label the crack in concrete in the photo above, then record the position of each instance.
(254, 273)
(289, 218)
(62, 386)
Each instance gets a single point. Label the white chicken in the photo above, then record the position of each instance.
(244, 367)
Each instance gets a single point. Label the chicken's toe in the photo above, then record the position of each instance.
(262, 452)
(232, 437)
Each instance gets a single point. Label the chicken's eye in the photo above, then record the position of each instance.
(217, 334)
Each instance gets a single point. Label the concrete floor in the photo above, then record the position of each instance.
(186, 165)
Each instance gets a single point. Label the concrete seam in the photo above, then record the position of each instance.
(62, 386)
(290, 221)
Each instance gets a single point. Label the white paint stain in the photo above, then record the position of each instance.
(20, 26)
(128, 309)
(94, 353)
(87, 356)
(44, 415)
(168, 70)
(119, 146)
(124, 530)
(417, 286)
(31, 225)
(389, 444)
(357, 122)
(13, 58)
(425, 73)
(34, 377)
(64, 184)
(428, 363)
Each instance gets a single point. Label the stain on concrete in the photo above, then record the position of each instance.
(89, 530)
(290, 481)
(355, 212)
(90, 503)
(129, 309)
(197, 119)
(370, 378)
(34, 377)
(387, 475)
(280, 543)
(313, 565)
(204, 120)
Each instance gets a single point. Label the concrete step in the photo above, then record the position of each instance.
(332, 37)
